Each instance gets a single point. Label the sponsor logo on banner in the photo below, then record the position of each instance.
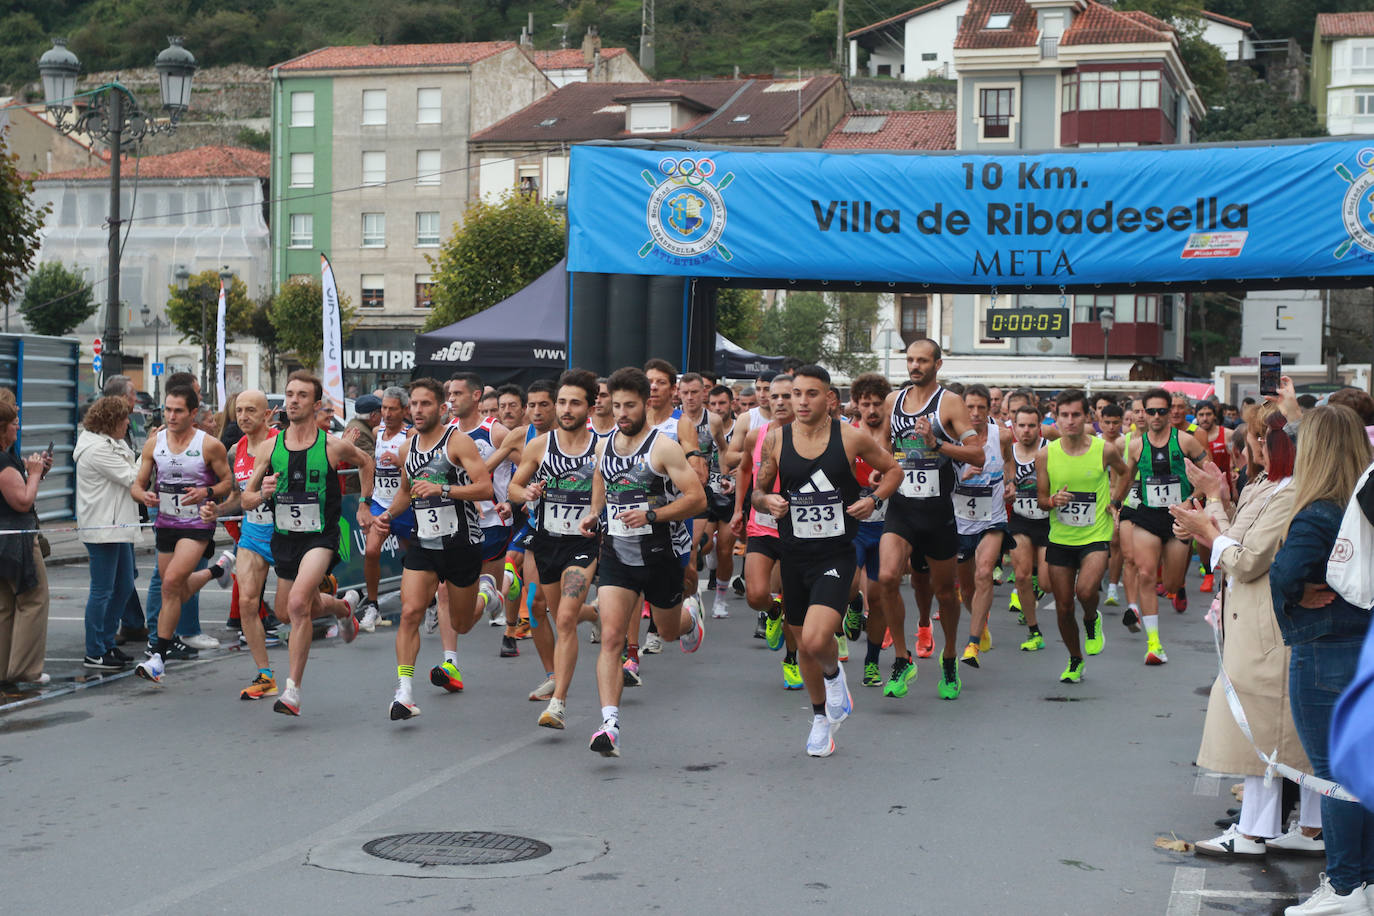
(1359, 225)
(686, 212)
(460, 351)
(1214, 245)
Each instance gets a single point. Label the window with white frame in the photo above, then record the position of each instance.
(302, 230)
(374, 107)
(1361, 57)
(427, 229)
(1364, 103)
(302, 170)
(302, 109)
(650, 118)
(374, 168)
(427, 110)
(372, 291)
(427, 166)
(914, 317)
(1112, 90)
(374, 230)
(994, 109)
(424, 291)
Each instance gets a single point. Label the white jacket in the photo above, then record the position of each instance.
(105, 468)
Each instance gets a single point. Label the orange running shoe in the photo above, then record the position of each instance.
(925, 642)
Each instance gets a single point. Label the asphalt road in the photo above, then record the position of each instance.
(1023, 796)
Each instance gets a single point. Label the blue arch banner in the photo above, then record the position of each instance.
(1287, 211)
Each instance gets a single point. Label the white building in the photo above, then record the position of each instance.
(1234, 38)
(910, 46)
(202, 209)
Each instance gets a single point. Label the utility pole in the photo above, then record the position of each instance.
(114, 358)
(646, 37)
(839, 38)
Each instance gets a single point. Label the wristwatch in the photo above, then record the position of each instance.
(651, 516)
(445, 491)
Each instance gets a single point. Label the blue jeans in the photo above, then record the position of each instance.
(189, 624)
(112, 581)
(1318, 673)
(132, 618)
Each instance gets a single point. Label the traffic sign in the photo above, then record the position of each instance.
(95, 362)
(157, 369)
(96, 345)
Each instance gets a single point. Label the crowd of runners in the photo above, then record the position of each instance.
(620, 500)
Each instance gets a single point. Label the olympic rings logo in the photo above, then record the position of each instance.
(690, 172)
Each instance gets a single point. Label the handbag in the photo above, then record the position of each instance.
(1350, 568)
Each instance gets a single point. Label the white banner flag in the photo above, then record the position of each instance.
(331, 366)
(221, 396)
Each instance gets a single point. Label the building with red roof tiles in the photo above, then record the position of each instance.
(201, 209)
(1342, 80)
(30, 134)
(894, 130)
(369, 160)
(914, 45)
(589, 64)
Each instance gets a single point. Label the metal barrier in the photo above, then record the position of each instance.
(41, 371)
(353, 544)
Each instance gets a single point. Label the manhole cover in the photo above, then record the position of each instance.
(456, 848)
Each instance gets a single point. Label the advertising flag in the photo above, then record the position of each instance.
(220, 393)
(331, 363)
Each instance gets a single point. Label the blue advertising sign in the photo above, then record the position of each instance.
(1283, 211)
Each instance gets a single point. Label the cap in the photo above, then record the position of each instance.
(367, 404)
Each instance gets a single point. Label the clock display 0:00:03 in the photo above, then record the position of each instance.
(1028, 323)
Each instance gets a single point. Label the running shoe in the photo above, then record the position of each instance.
(737, 584)
(371, 614)
(1180, 599)
(1014, 602)
(838, 703)
(1208, 583)
(1297, 843)
(653, 645)
(595, 636)
(842, 646)
(403, 708)
(271, 638)
(544, 691)
(1113, 599)
(523, 630)
(447, 676)
(692, 639)
(820, 743)
(1096, 637)
(200, 641)
(1073, 674)
(1020, 618)
(630, 673)
(432, 617)
(1231, 845)
(873, 676)
(262, 686)
(508, 647)
(925, 642)
(606, 740)
(718, 609)
(791, 676)
(1131, 619)
(853, 622)
(985, 641)
(348, 624)
(950, 685)
(1201, 570)
(903, 673)
(1034, 643)
(555, 716)
(1159, 589)
(289, 703)
(1154, 652)
(151, 669)
(761, 627)
(513, 584)
(887, 639)
(997, 575)
(488, 598)
(178, 651)
(970, 656)
(773, 630)
(226, 563)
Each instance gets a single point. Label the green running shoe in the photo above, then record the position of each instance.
(772, 632)
(1035, 643)
(513, 593)
(873, 677)
(950, 684)
(791, 676)
(1074, 673)
(853, 622)
(1021, 618)
(1014, 602)
(842, 646)
(903, 673)
(1096, 637)
(997, 575)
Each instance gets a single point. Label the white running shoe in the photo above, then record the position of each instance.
(692, 640)
(838, 703)
(606, 740)
(819, 743)
(289, 703)
(1295, 842)
(151, 669)
(432, 617)
(371, 615)
(403, 706)
(487, 598)
(543, 691)
(596, 629)
(201, 641)
(718, 609)
(653, 645)
(225, 562)
(555, 716)
(1326, 902)
(1231, 845)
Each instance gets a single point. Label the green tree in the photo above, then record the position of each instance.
(196, 307)
(56, 300)
(498, 251)
(20, 221)
(260, 326)
(1251, 109)
(822, 329)
(739, 314)
(297, 315)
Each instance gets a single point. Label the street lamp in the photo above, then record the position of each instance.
(1108, 319)
(111, 115)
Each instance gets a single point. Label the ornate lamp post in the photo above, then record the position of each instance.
(1108, 320)
(111, 115)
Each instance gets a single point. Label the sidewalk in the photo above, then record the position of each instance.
(67, 549)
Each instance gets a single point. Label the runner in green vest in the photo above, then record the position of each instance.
(1072, 482)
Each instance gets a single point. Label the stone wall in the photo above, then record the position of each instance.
(224, 101)
(899, 95)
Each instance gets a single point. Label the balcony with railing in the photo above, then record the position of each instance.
(1049, 48)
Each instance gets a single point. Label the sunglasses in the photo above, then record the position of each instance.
(1157, 411)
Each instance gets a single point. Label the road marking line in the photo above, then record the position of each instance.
(1185, 897)
(1207, 785)
(295, 852)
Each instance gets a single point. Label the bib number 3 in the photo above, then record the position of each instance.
(435, 518)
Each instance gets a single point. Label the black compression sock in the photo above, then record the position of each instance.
(162, 646)
(831, 675)
(1034, 630)
(790, 658)
(872, 652)
(818, 708)
(216, 571)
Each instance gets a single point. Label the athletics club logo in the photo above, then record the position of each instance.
(1359, 226)
(686, 214)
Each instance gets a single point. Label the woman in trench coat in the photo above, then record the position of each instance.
(1243, 540)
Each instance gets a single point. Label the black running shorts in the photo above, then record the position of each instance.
(289, 549)
(1072, 557)
(935, 539)
(766, 544)
(1156, 521)
(552, 555)
(816, 580)
(458, 565)
(167, 538)
(660, 582)
(1037, 529)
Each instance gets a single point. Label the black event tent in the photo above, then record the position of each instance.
(519, 339)
(733, 361)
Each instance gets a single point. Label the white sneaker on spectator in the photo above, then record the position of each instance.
(1231, 845)
(201, 641)
(1326, 902)
(1295, 842)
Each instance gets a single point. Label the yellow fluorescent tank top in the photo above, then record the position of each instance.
(1088, 516)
